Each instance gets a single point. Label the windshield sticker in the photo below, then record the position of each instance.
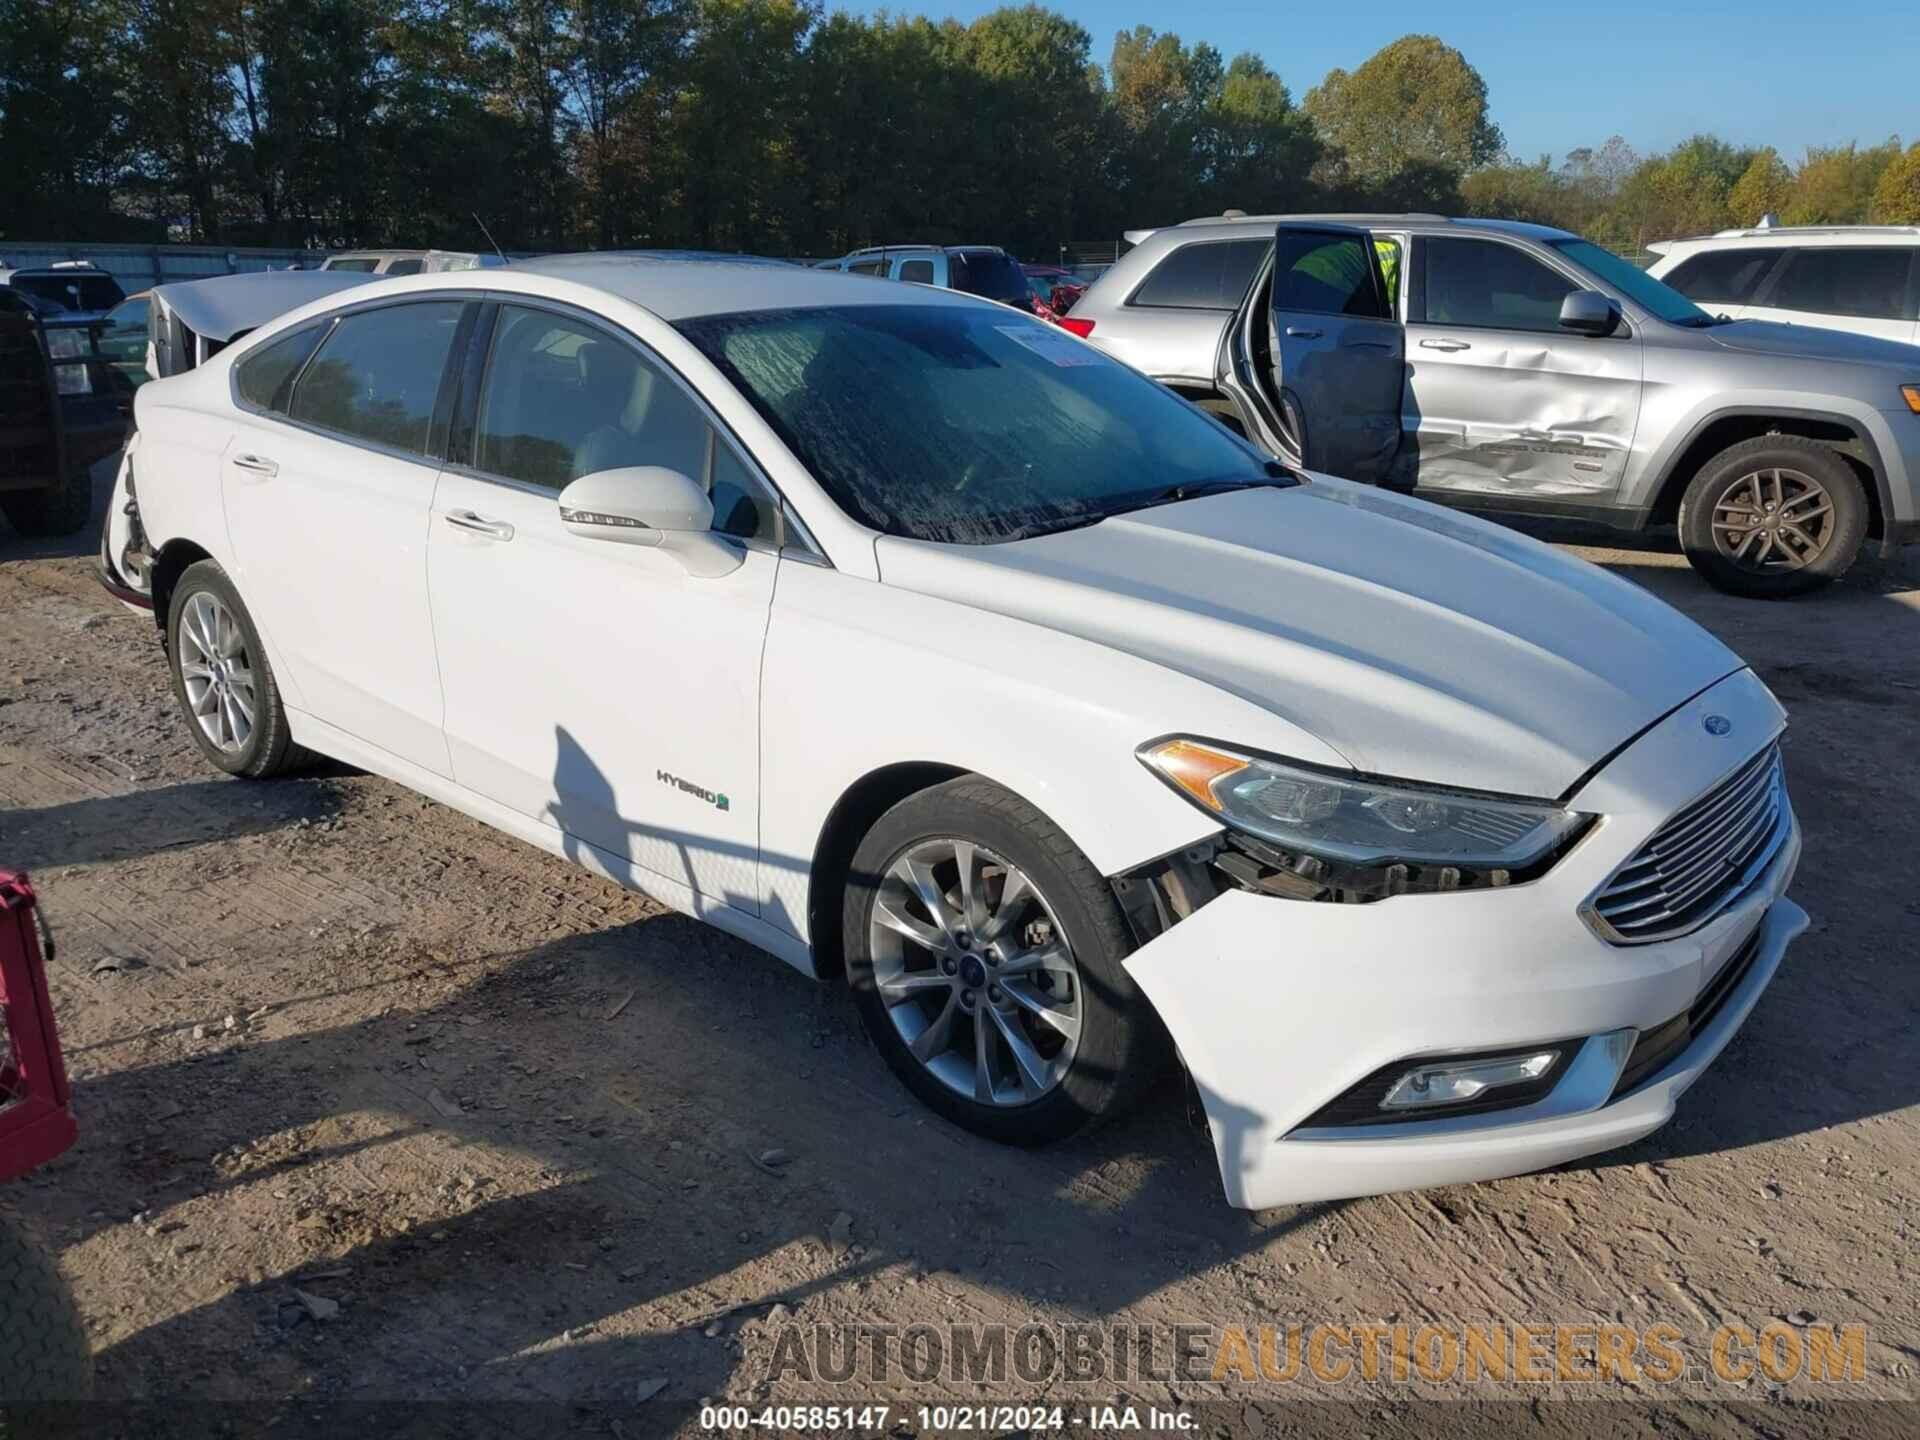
(1051, 344)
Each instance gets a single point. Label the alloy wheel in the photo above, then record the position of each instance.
(975, 972)
(217, 671)
(1772, 520)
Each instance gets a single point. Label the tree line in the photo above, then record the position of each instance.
(775, 126)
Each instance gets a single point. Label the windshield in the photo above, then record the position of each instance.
(966, 424)
(73, 292)
(1633, 282)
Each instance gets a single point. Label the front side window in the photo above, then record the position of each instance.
(378, 374)
(966, 424)
(1867, 282)
(1206, 275)
(563, 399)
(1721, 277)
(1326, 273)
(868, 267)
(1490, 285)
(263, 378)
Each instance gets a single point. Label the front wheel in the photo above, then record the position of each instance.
(1774, 516)
(47, 1361)
(985, 956)
(63, 510)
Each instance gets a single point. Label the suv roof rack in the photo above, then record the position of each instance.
(1748, 232)
(1356, 216)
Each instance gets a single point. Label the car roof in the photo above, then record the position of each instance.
(1795, 235)
(1224, 226)
(679, 289)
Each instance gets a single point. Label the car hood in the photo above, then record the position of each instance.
(1811, 342)
(1417, 642)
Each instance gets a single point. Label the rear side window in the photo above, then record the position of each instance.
(378, 374)
(264, 377)
(358, 264)
(1724, 277)
(1843, 280)
(995, 277)
(76, 292)
(1207, 275)
(918, 271)
(408, 266)
(1326, 274)
(868, 267)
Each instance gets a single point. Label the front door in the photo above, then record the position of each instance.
(1502, 402)
(327, 483)
(598, 687)
(1336, 352)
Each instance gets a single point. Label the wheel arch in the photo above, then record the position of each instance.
(847, 824)
(168, 566)
(1714, 433)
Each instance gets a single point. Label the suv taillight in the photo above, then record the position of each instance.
(1082, 328)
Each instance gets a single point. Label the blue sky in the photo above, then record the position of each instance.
(1765, 72)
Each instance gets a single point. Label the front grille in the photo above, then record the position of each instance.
(1658, 1047)
(1699, 860)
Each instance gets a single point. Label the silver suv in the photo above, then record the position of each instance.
(1510, 367)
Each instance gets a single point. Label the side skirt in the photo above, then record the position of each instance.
(326, 739)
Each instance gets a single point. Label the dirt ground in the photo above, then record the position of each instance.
(380, 1106)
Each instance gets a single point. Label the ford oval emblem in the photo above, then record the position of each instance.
(1717, 724)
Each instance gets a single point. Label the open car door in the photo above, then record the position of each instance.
(1316, 358)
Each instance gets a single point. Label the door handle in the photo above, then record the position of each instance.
(255, 465)
(1448, 345)
(479, 524)
(1301, 332)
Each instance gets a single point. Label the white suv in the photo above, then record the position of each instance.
(1863, 278)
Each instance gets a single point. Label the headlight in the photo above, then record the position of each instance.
(1362, 829)
(66, 344)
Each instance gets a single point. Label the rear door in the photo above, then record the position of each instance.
(1336, 355)
(328, 485)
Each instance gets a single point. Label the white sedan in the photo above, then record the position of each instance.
(915, 641)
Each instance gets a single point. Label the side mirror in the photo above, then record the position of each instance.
(651, 506)
(1588, 312)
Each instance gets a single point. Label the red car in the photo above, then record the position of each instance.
(1054, 290)
(46, 1360)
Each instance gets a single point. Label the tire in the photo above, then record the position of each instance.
(902, 986)
(266, 747)
(1767, 561)
(48, 1361)
(63, 510)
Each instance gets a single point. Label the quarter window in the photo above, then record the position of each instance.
(1494, 286)
(1840, 280)
(564, 399)
(918, 271)
(263, 376)
(378, 374)
(1207, 275)
(1721, 277)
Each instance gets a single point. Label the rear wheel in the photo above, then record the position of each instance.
(63, 510)
(1774, 516)
(222, 680)
(985, 956)
(48, 1361)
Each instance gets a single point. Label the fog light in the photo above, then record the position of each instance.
(1451, 1084)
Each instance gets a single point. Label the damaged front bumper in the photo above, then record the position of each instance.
(1281, 1008)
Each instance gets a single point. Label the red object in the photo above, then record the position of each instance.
(36, 1122)
(1082, 328)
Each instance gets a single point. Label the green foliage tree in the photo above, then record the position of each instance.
(1762, 189)
(1896, 199)
(1836, 185)
(1412, 113)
